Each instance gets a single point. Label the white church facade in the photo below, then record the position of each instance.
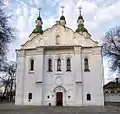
(59, 67)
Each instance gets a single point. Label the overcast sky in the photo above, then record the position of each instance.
(99, 16)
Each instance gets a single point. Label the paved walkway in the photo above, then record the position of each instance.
(12, 109)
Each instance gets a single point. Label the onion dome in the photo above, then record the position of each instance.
(39, 18)
(62, 18)
(80, 18)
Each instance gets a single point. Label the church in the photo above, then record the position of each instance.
(59, 67)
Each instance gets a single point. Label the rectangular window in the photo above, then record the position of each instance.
(29, 96)
(86, 65)
(31, 65)
(88, 97)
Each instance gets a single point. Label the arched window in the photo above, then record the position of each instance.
(49, 65)
(68, 64)
(31, 65)
(59, 65)
(86, 65)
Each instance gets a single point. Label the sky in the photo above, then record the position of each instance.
(99, 16)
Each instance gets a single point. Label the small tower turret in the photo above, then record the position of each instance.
(62, 18)
(80, 22)
(39, 23)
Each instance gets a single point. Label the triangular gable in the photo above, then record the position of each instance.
(66, 37)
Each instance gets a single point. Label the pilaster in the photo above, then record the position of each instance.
(20, 77)
(78, 75)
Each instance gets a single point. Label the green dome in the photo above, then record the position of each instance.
(80, 17)
(38, 29)
(62, 18)
(81, 28)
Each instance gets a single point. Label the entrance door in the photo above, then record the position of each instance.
(59, 99)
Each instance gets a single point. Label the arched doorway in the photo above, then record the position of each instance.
(59, 99)
(60, 95)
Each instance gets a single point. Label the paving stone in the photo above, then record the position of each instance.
(13, 109)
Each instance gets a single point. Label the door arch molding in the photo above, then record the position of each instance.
(59, 89)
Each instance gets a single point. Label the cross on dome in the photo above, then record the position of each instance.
(62, 7)
(39, 11)
(80, 8)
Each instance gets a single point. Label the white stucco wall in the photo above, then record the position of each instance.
(93, 80)
(75, 84)
(63, 78)
(19, 78)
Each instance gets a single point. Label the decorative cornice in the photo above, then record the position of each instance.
(40, 50)
(20, 53)
(77, 50)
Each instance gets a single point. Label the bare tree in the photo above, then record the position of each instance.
(111, 48)
(8, 80)
(6, 33)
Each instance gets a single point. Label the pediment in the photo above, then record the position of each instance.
(58, 35)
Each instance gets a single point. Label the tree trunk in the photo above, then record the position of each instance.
(2, 98)
(11, 92)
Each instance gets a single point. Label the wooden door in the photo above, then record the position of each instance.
(59, 99)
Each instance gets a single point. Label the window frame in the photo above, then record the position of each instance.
(30, 96)
(88, 95)
(32, 65)
(86, 65)
(68, 65)
(49, 65)
(59, 69)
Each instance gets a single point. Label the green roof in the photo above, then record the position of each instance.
(81, 28)
(38, 29)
